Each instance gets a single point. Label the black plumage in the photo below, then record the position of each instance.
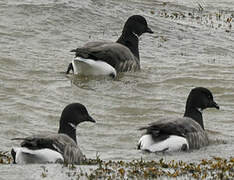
(191, 125)
(64, 142)
(123, 55)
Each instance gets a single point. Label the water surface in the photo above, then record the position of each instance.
(185, 52)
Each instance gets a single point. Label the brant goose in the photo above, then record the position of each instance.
(52, 148)
(109, 58)
(178, 134)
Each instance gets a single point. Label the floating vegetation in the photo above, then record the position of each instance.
(5, 158)
(215, 20)
(44, 172)
(214, 168)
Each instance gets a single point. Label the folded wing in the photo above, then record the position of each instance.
(115, 54)
(184, 127)
(60, 143)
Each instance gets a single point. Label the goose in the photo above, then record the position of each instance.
(109, 58)
(58, 147)
(180, 134)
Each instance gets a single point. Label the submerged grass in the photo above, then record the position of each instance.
(214, 168)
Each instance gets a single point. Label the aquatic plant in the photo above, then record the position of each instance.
(215, 20)
(5, 158)
(214, 168)
(44, 172)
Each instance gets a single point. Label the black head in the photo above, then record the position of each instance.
(72, 115)
(137, 24)
(201, 98)
(75, 113)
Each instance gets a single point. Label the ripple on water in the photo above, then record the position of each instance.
(36, 37)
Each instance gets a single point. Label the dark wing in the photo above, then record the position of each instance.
(73, 155)
(169, 126)
(115, 54)
(185, 127)
(70, 151)
(44, 141)
(58, 142)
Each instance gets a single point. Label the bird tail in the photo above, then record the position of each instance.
(13, 139)
(73, 50)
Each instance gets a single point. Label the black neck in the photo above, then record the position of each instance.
(194, 114)
(68, 130)
(131, 41)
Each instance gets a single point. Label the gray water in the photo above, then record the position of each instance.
(35, 40)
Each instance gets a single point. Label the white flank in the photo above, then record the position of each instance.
(41, 156)
(90, 67)
(145, 142)
(172, 143)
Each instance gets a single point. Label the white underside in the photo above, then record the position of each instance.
(27, 156)
(172, 143)
(89, 67)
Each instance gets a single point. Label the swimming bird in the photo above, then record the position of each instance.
(178, 134)
(57, 147)
(109, 58)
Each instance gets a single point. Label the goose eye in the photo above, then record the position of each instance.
(210, 97)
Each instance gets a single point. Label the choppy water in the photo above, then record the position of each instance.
(35, 40)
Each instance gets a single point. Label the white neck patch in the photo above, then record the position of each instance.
(135, 35)
(200, 110)
(72, 125)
